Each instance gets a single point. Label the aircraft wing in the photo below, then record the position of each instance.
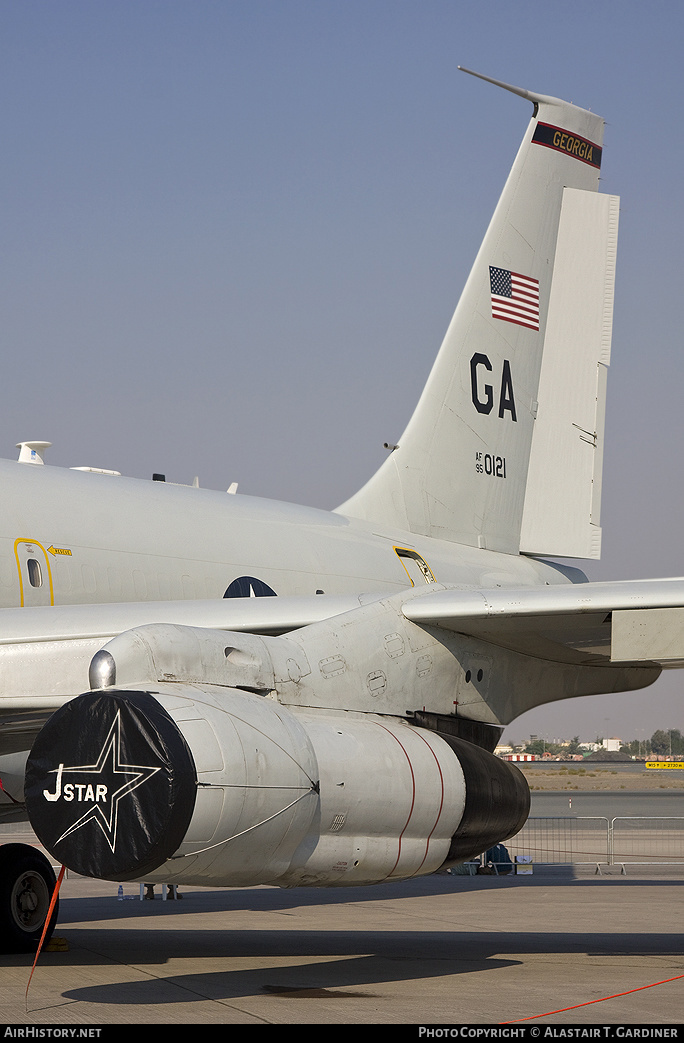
(637, 621)
(45, 652)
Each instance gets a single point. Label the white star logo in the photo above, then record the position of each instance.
(103, 800)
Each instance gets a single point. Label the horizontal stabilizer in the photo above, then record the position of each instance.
(636, 621)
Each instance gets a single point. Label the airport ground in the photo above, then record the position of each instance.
(601, 777)
(439, 951)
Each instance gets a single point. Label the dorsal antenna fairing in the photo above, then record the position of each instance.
(32, 452)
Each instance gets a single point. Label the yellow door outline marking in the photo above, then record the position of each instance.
(33, 543)
(406, 552)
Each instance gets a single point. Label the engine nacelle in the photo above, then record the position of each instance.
(208, 785)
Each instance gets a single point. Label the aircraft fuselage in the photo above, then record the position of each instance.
(86, 538)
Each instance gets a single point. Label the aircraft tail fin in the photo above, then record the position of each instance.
(515, 395)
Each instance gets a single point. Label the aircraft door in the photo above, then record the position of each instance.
(417, 568)
(35, 575)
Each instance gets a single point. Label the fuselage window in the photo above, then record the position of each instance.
(34, 573)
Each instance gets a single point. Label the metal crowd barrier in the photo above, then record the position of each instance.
(580, 840)
(626, 840)
(600, 841)
(637, 840)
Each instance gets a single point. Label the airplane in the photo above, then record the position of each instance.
(206, 688)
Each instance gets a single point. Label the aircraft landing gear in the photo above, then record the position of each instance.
(27, 882)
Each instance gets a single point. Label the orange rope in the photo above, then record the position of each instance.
(47, 923)
(7, 794)
(588, 1003)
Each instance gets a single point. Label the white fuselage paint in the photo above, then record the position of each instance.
(100, 539)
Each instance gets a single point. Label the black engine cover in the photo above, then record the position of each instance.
(110, 785)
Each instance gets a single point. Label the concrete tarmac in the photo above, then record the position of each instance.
(439, 951)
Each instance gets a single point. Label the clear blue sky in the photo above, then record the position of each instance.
(234, 234)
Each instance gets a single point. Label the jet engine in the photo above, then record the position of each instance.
(207, 785)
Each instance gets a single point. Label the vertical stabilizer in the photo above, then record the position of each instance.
(460, 469)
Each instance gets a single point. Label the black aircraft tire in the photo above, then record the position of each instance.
(27, 882)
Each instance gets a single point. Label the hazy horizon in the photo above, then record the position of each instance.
(234, 235)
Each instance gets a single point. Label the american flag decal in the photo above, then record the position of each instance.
(515, 298)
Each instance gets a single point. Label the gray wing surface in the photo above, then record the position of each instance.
(637, 621)
(45, 653)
